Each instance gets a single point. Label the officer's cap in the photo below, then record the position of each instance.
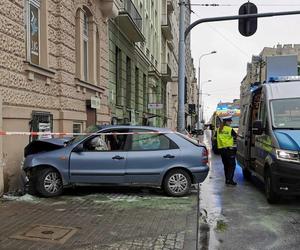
(226, 118)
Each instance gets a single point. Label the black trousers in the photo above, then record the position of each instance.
(228, 159)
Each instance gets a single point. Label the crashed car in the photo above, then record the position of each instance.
(117, 155)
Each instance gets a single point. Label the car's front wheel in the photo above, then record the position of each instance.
(49, 182)
(271, 195)
(177, 183)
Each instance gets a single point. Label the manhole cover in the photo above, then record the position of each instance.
(54, 234)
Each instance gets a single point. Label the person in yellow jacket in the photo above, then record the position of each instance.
(225, 141)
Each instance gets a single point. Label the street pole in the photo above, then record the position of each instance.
(181, 68)
(199, 103)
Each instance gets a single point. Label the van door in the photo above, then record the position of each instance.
(263, 143)
(242, 138)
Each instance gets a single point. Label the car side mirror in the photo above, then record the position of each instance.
(257, 128)
(78, 148)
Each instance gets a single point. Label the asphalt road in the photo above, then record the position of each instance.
(240, 217)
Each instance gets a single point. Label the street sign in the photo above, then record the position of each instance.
(248, 26)
(155, 106)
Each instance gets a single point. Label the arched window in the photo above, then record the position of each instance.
(86, 46)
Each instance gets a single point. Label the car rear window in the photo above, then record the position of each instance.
(193, 141)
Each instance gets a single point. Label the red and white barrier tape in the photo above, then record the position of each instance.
(76, 134)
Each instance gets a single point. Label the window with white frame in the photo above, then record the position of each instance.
(85, 37)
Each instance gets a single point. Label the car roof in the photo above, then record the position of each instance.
(134, 127)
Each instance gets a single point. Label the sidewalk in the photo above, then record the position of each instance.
(99, 218)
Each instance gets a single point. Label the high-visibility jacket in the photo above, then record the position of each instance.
(225, 138)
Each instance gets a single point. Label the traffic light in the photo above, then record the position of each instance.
(248, 26)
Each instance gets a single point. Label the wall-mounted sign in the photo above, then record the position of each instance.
(45, 128)
(95, 102)
(155, 106)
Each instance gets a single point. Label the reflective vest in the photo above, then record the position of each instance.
(224, 138)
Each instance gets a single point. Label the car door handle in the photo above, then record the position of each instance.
(169, 156)
(117, 157)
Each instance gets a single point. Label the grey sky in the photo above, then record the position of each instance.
(227, 68)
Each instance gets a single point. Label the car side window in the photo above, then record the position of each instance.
(109, 142)
(146, 142)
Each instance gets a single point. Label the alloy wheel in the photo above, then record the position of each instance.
(52, 182)
(178, 183)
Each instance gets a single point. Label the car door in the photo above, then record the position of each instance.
(149, 155)
(100, 163)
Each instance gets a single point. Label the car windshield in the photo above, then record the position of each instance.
(91, 129)
(235, 121)
(286, 113)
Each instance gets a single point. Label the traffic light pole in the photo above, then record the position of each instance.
(182, 37)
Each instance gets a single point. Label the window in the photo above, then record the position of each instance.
(145, 94)
(145, 142)
(86, 43)
(128, 82)
(77, 127)
(118, 65)
(37, 35)
(85, 46)
(106, 142)
(34, 31)
(137, 88)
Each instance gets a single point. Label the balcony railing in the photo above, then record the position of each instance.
(166, 27)
(133, 12)
(130, 21)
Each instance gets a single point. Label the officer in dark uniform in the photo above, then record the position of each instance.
(226, 137)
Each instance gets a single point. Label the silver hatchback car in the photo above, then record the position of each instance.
(117, 155)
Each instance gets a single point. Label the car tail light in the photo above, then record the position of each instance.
(204, 158)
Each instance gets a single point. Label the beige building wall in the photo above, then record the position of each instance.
(53, 85)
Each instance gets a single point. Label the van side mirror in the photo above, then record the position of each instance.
(78, 148)
(257, 128)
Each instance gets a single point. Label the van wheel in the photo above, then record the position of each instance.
(177, 183)
(49, 182)
(271, 195)
(246, 174)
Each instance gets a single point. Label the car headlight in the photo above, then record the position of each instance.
(287, 155)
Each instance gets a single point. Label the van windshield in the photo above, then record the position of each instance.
(286, 113)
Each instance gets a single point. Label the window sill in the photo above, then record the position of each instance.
(88, 85)
(33, 69)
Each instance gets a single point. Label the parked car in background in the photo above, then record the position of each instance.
(117, 155)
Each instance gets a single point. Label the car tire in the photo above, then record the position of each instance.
(246, 174)
(177, 183)
(271, 195)
(49, 182)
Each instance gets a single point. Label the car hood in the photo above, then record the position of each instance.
(45, 145)
(288, 139)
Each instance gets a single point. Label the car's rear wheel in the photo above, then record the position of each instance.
(177, 183)
(271, 195)
(49, 182)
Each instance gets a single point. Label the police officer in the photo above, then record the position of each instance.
(225, 141)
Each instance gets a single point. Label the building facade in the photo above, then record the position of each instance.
(54, 71)
(256, 69)
(69, 64)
